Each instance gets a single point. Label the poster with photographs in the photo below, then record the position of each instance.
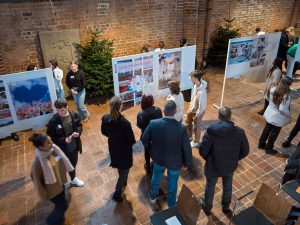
(31, 98)
(169, 68)
(5, 113)
(125, 70)
(138, 66)
(240, 52)
(258, 54)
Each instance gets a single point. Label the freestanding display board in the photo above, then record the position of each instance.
(150, 72)
(26, 100)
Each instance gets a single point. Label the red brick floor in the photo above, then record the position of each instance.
(92, 204)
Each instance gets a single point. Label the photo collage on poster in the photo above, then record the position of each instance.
(31, 98)
(258, 55)
(133, 75)
(5, 112)
(169, 68)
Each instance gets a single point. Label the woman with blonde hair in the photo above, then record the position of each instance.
(120, 140)
(48, 173)
(277, 114)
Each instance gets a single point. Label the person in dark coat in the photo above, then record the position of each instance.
(120, 140)
(170, 150)
(65, 129)
(283, 46)
(148, 113)
(223, 145)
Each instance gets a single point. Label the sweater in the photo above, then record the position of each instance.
(292, 50)
(199, 98)
(178, 99)
(76, 80)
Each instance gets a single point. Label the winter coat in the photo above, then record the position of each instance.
(120, 140)
(222, 146)
(146, 115)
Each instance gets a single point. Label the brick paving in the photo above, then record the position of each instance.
(92, 204)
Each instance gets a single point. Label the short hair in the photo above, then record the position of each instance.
(53, 62)
(147, 101)
(60, 103)
(115, 104)
(74, 62)
(198, 74)
(38, 139)
(224, 113)
(257, 29)
(174, 87)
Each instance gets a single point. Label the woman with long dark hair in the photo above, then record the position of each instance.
(144, 116)
(48, 173)
(277, 114)
(272, 80)
(120, 140)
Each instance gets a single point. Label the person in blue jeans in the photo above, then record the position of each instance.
(223, 145)
(76, 82)
(170, 149)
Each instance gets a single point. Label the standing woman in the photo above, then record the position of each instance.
(58, 75)
(177, 97)
(48, 173)
(277, 114)
(148, 113)
(120, 140)
(76, 82)
(272, 80)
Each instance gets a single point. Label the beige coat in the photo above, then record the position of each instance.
(48, 191)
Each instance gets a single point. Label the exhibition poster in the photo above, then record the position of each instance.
(5, 113)
(240, 51)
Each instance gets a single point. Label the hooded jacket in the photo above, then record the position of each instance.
(199, 98)
(120, 140)
(223, 145)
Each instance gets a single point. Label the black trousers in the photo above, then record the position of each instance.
(295, 130)
(269, 134)
(266, 104)
(122, 180)
(57, 216)
(296, 67)
(73, 157)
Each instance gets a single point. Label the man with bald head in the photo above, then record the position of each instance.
(223, 145)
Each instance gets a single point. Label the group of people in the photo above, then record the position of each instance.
(161, 46)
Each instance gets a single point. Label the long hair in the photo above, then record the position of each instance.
(282, 90)
(115, 105)
(276, 64)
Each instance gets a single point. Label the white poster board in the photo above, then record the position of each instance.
(26, 100)
(251, 57)
(135, 75)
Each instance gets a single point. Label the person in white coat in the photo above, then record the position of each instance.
(177, 97)
(58, 75)
(193, 118)
(277, 114)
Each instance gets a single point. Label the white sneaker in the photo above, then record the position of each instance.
(77, 182)
(194, 144)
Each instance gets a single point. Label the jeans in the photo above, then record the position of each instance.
(290, 65)
(73, 157)
(210, 191)
(57, 216)
(269, 133)
(158, 173)
(122, 180)
(81, 108)
(295, 130)
(60, 93)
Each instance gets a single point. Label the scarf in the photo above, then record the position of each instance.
(48, 172)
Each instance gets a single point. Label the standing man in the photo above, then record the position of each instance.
(65, 129)
(223, 145)
(193, 118)
(170, 150)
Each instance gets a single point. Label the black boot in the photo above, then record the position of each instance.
(117, 197)
(286, 144)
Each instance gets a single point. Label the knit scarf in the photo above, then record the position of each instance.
(48, 172)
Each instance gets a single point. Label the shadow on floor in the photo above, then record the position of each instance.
(11, 185)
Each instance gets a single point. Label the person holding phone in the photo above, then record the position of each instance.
(65, 128)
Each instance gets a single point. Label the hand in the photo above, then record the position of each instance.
(75, 134)
(68, 140)
(184, 168)
(74, 92)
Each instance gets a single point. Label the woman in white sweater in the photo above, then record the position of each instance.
(58, 75)
(177, 97)
(277, 114)
(272, 80)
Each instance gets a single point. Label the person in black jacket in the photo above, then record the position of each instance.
(283, 46)
(65, 129)
(120, 140)
(76, 82)
(148, 113)
(170, 150)
(223, 145)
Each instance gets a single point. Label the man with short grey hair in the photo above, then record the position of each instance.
(170, 150)
(223, 145)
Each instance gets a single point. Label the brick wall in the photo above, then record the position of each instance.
(131, 23)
